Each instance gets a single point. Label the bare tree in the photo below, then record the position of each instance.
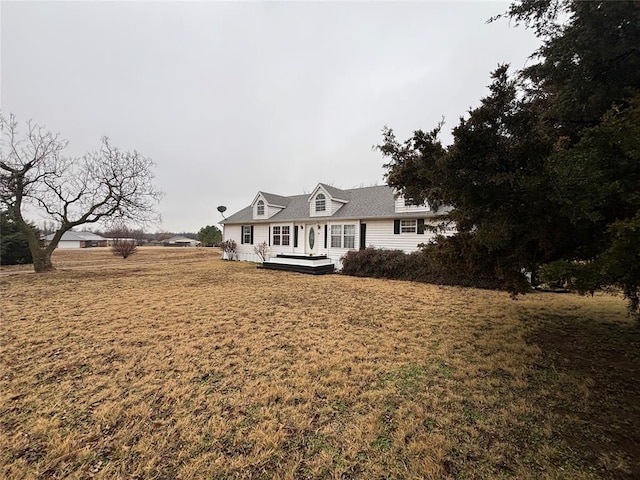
(262, 250)
(230, 248)
(102, 185)
(47, 227)
(124, 240)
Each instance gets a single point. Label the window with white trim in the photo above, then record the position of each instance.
(408, 226)
(260, 209)
(246, 234)
(349, 236)
(343, 236)
(321, 203)
(286, 235)
(336, 236)
(281, 235)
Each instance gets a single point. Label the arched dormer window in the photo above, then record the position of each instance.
(321, 204)
(260, 209)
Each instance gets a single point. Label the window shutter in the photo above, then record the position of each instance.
(396, 227)
(325, 236)
(363, 236)
(269, 235)
(421, 226)
(295, 236)
(251, 234)
(241, 234)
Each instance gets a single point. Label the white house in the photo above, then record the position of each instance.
(328, 223)
(72, 239)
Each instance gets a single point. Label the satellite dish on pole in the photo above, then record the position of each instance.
(222, 209)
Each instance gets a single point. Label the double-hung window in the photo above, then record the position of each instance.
(282, 235)
(246, 234)
(343, 236)
(260, 208)
(408, 226)
(336, 236)
(286, 235)
(349, 236)
(415, 225)
(321, 204)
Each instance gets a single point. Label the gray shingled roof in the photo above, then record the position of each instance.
(77, 236)
(278, 200)
(336, 192)
(363, 203)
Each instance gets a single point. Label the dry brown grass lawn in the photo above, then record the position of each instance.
(176, 364)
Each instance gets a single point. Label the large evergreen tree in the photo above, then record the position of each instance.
(210, 235)
(546, 171)
(14, 248)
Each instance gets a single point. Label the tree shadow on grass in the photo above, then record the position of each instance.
(592, 369)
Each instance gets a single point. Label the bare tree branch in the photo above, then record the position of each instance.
(108, 184)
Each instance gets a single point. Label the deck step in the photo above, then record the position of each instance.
(308, 261)
(316, 265)
(309, 269)
(301, 257)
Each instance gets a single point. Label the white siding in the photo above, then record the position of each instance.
(246, 251)
(402, 208)
(335, 206)
(271, 211)
(380, 235)
(231, 232)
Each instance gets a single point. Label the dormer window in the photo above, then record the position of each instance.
(260, 209)
(321, 203)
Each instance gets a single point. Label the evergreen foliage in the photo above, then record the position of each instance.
(210, 235)
(546, 170)
(14, 248)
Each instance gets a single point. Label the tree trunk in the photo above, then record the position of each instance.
(42, 260)
(40, 254)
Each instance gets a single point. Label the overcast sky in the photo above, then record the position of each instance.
(232, 98)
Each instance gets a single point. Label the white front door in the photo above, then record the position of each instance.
(312, 237)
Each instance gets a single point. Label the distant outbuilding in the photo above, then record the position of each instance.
(78, 240)
(181, 242)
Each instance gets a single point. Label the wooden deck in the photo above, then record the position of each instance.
(316, 265)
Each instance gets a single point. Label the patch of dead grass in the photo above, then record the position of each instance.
(176, 364)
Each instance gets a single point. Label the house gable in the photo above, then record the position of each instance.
(375, 216)
(324, 200)
(266, 205)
